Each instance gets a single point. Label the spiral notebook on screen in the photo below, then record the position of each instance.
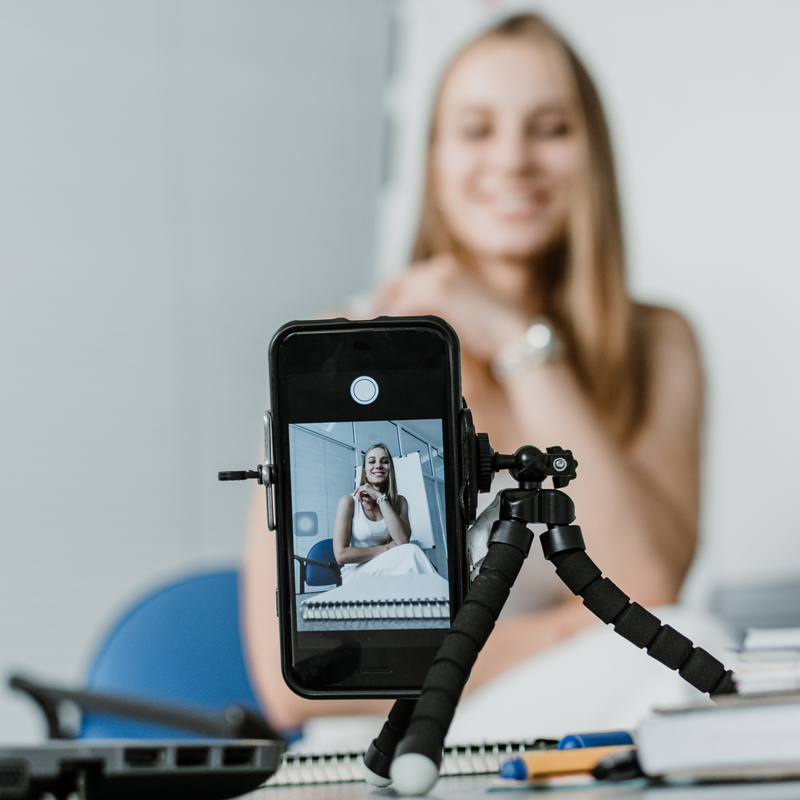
(481, 759)
(384, 602)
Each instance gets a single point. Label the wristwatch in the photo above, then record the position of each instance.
(381, 498)
(539, 345)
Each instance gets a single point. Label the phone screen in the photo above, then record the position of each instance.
(404, 588)
(365, 414)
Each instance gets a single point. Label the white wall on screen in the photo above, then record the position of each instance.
(321, 474)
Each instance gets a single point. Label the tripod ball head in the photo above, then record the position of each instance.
(529, 464)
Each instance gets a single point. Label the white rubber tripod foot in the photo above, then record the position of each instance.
(372, 777)
(413, 774)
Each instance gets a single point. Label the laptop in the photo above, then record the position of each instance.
(130, 769)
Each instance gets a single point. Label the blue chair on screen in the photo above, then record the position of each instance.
(319, 567)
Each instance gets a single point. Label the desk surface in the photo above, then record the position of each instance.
(471, 788)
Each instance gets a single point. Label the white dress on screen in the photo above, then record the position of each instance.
(405, 559)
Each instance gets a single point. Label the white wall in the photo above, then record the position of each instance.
(704, 104)
(177, 179)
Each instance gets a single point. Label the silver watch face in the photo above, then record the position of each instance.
(539, 346)
(539, 336)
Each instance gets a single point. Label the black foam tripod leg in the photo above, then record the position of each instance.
(418, 756)
(378, 757)
(564, 547)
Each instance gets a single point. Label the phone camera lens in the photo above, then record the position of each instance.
(364, 390)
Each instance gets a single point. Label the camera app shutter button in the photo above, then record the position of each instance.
(364, 390)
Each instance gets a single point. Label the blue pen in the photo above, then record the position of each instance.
(600, 739)
(514, 769)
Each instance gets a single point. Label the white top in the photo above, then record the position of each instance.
(407, 559)
(365, 532)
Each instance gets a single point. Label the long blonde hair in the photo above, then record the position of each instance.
(583, 276)
(389, 484)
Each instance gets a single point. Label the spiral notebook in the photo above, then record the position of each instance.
(482, 759)
(381, 602)
(384, 597)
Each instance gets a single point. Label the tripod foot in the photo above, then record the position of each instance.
(378, 758)
(373, 778)
(414, 774)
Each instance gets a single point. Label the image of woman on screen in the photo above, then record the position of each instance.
(371, 533)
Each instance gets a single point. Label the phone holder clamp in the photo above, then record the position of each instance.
(265, 473)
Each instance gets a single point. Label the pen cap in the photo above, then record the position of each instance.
(514, 769)
(601, 739)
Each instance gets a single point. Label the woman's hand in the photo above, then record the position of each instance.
(366, 492)
(484, 321)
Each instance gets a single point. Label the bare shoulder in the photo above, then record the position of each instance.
(670, 346)
(667, 445)
(665, 328)
(674, 371)
(347, 503)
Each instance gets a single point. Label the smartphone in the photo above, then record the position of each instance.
(370, 539)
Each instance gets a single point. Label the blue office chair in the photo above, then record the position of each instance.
(319, 567)
(180, 644)
(178, 648)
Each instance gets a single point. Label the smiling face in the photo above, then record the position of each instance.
(507, 150)
(377, 464)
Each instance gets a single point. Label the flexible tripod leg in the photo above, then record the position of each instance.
(378, 757)
(418, 756)
(415, 768)
(564, 547)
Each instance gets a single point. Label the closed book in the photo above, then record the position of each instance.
(738, 737)
(772, 638)
(769, 661)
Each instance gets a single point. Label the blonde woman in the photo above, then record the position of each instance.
(520, 248)
(372, 522)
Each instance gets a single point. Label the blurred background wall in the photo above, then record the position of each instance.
(179, 178)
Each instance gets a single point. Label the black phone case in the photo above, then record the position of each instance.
(283, 503)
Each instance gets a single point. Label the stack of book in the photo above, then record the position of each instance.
(769, 661)
(738, 738)
(752, 735)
